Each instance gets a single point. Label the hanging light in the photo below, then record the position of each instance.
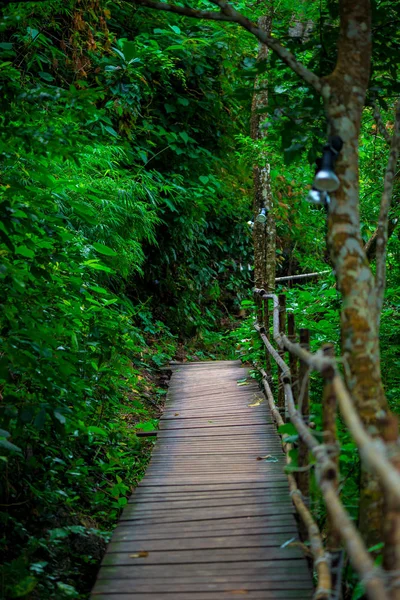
(317, 197)
(262, 216)
(326, 179)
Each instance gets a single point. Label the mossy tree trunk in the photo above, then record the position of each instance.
(264, 234)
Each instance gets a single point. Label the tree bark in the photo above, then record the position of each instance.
(344, 93)
(264, 234)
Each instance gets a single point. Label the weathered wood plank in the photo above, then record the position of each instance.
(233, 595)
(210, 517)
(126, 585)
(183, 557)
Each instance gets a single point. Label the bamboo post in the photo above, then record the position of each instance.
(329, 413)
(391, 517)
(266, 324)
(303, 477)
(293, 362)
(282, 329)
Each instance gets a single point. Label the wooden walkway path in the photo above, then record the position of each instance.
(209, 519)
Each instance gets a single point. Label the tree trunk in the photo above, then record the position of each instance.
(264, 234)
(344, 93)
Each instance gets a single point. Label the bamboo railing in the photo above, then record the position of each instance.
(341, 531)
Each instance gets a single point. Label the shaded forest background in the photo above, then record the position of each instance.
(126, 184)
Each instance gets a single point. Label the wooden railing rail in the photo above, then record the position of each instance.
(373, 451)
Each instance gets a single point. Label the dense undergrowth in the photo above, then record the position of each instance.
(125, 189)
(121, 239)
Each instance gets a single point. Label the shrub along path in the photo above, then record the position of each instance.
(211, 515)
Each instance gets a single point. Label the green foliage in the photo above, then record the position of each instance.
(119, 214)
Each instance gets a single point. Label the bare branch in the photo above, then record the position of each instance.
(379, 122)
(5, 2)
(320, 557)
(382, 229)
(186, 11)
(228, 13)
(370, 246)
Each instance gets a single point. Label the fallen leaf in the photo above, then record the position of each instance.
(176, 414)
(257, 401)
(270, 458)
(139, 555)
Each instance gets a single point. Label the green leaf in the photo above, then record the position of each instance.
(6, 45)
(175, 29)
(46, 76)
(129, 50)
(24, 587)
(110, 130)
(24, 251)
(99, 289)
(97, 266)
(40, 419)
(97, 430)
(184, 136)
(60, 417)
(204, 179)
(104, 249)
(9, 446)
(67, 590)
(288, 428)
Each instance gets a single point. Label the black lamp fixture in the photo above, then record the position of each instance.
(325, 179)
(262, 216)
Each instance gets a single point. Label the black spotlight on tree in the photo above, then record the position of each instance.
(326, 179)
(262, 216)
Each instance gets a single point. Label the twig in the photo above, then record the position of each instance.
(229, 14)
(302, 276)
(320, 558)
(379, 122)
(382, 230)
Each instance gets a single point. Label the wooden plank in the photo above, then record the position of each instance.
(229, 542)
(264, 595)
(257, 570)
(220, 573)
(209, 519)
(150, 533)
(199, 556)
(210, 525)
(125, 586)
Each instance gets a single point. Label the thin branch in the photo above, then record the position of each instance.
(359, 556)
(382, 230)
(186, 11)
(5, 2)
(372, 453)
(228, 13)
(370, 246)
(320, 557)
(361, 560)
(379, 122)
(302, 276)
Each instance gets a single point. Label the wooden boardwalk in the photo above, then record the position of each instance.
(210, 517)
